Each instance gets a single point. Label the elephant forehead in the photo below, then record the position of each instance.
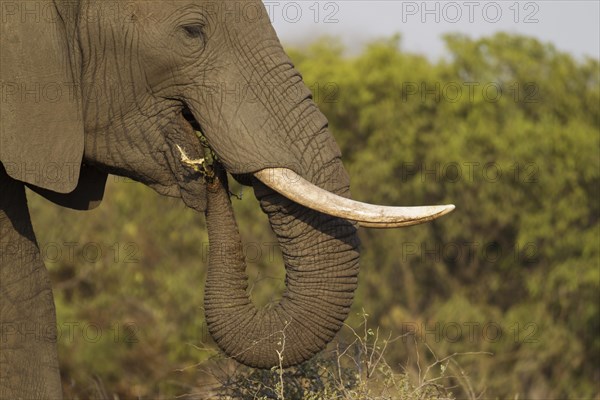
(221, 11)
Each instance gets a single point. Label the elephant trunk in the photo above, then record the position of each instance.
(321, 260)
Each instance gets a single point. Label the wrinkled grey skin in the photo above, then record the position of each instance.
(136, 71)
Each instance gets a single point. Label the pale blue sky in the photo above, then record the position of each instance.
(572, 26)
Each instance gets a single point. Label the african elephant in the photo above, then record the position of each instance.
(91, 88)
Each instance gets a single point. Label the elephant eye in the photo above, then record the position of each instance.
(194, 31)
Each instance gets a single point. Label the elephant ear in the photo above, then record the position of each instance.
(41, 124)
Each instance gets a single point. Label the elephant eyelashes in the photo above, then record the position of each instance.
(194, 31)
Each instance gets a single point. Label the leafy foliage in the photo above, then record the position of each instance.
(507, 129)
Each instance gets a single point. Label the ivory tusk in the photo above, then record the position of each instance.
(298, 189)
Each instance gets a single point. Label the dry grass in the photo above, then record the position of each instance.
(354, 370)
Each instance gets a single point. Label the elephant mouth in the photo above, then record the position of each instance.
(189, 117)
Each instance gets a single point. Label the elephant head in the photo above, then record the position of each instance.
(92, 88)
